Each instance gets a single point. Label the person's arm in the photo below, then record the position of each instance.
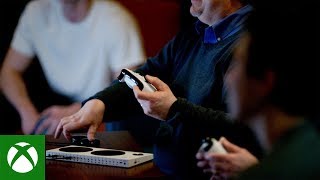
(188, 110)
(14, 88)
(214, 123)
(17, 59)
(163, 105)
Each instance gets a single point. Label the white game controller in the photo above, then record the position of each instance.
(212, 145)
(135, 79)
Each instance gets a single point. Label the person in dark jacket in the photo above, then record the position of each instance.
(193, 65)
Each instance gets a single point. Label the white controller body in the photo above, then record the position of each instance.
(212, 145)
(135, 79)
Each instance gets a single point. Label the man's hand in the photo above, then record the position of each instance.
(226, 165)
(89, 116)
(53, 115)
(155, 104)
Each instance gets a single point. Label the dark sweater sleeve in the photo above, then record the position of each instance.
(213, 123)
(184, 110)
(119, 100)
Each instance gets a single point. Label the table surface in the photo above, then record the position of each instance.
(121, 140)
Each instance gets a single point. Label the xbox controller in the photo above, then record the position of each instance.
(212, 145)
(135, 79)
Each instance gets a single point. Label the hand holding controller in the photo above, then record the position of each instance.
(212, 145)
(134, 79)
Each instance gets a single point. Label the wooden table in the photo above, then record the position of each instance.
(121, 140)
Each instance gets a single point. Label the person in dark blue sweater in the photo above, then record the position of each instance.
(193, 65)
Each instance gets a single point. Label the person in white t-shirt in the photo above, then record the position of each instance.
(82, 45)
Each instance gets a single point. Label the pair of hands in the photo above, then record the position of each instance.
(224, 166)
(154, 104)
(51, 118)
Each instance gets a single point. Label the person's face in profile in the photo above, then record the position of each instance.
(244, 93)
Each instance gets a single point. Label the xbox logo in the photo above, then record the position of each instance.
(22, 157)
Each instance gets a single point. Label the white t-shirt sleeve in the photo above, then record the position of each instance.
(22, 38)
(127, 50)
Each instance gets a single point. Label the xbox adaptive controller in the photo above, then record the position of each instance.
(135, 79)
(212, 145)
